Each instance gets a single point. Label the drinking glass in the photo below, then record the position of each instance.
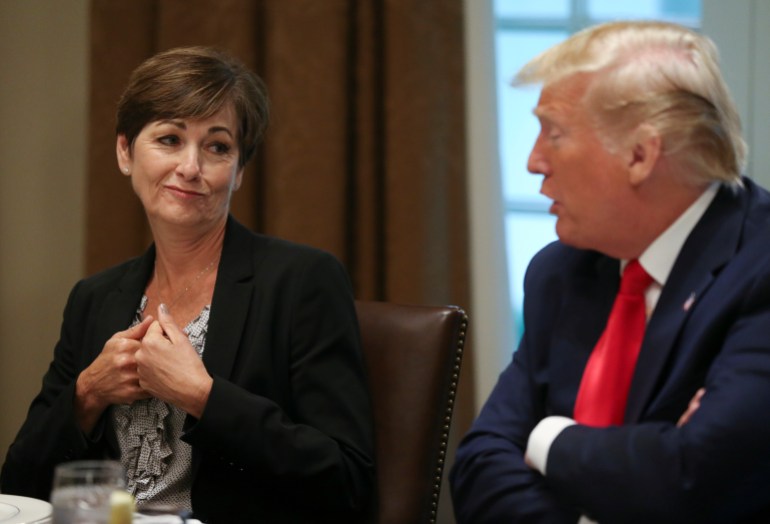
(81, 491)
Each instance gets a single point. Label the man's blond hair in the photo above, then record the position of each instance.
(657, 73)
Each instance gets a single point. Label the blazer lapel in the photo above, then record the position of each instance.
(120, 304)
(117, 313)
(231, 301)
(711, 244)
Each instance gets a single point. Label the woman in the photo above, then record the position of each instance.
(222, 368)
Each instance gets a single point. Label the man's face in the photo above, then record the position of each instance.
(589, 186)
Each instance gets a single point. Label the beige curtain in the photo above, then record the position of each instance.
(365, 153)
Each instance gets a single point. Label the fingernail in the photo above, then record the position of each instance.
(164, 309)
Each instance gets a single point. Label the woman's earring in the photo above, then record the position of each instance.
(126, 170)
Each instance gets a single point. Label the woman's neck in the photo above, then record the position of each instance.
(185, 273)
(180, 258)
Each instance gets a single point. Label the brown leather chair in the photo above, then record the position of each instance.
(413, 356)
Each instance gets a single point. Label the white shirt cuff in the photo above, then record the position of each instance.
(541, 438)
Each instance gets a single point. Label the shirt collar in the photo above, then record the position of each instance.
(659, 257)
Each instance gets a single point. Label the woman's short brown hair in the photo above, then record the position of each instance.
(194, 82)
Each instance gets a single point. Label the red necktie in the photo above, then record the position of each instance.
(601, 399)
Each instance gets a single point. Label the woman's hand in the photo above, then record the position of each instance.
(112, 378)
(169, 367)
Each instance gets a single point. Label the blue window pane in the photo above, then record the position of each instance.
(526, 233)
(684, 11)
(530, 9)
(518, 127)
(681, 8)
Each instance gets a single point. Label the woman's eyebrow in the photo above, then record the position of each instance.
(182, 125)
(217, 129)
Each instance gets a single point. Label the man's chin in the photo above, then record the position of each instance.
(569, 236)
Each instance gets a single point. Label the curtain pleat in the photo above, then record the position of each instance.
(122, 35)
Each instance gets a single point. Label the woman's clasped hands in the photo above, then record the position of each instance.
(153, 358)
(169, 368)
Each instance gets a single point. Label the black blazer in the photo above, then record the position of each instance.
(286, 435)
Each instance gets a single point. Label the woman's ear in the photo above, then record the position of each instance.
(238, 179)
(123, 152)
(644, 153)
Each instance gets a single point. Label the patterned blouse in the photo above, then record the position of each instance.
(157, 462)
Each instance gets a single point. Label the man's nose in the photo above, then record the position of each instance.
(536, 163)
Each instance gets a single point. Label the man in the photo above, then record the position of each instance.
(641, 153)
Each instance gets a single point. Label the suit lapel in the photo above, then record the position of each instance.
(593, 296)
(585, 306)
(711, 244)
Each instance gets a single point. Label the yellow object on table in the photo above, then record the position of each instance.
(121, 507)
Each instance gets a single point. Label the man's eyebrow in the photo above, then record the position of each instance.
(543, 113)
(543, 116)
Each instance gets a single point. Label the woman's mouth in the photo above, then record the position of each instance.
(183, 193)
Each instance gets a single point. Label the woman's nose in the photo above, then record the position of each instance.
(189, 163)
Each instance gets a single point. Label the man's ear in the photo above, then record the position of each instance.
(123, 152)
(644, 152)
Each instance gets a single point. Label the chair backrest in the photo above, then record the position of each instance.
(413, 356)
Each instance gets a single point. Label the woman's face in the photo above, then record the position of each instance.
(183, 170)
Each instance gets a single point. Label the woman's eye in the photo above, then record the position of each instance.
(219, 148)
(169, 140)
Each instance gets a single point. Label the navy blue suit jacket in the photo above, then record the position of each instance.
(710, 328)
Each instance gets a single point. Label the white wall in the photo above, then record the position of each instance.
(491, 328)
(43, 64)
(741, 30)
